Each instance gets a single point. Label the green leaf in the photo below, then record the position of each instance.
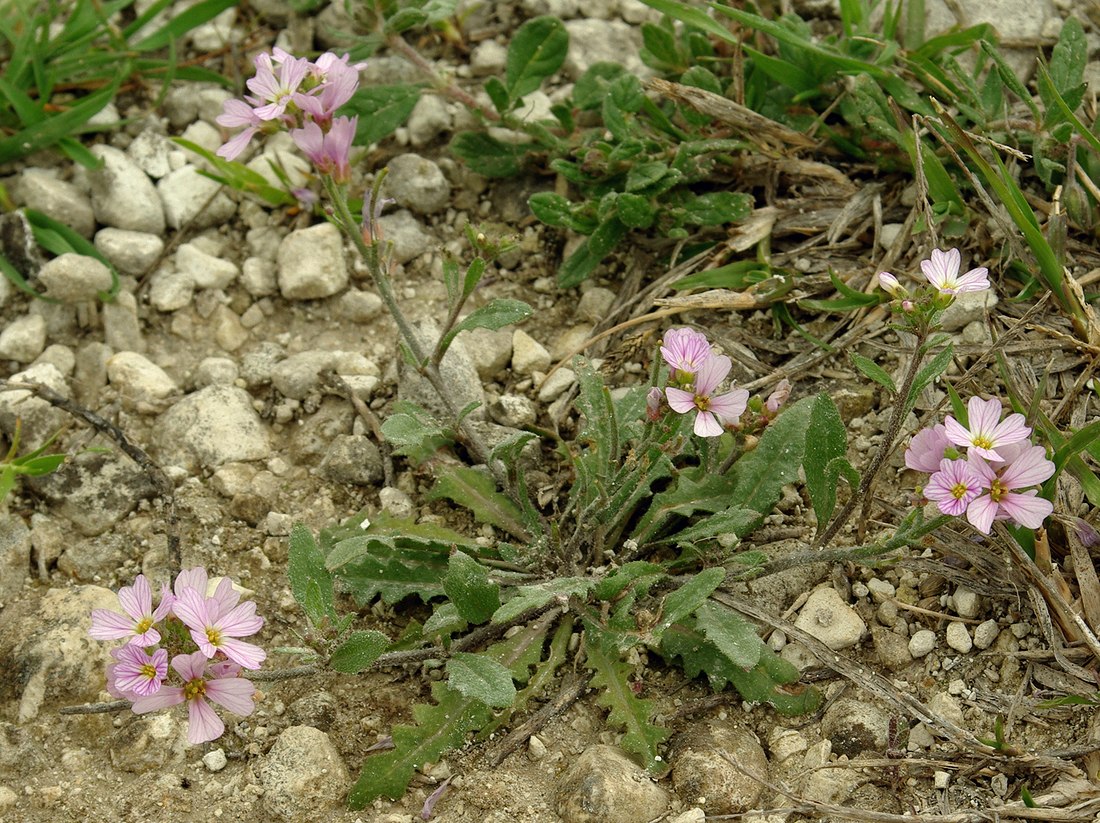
(488, 156)
(183, 23)
(592, 87)
(611, 680)
(481, 679)
(552, 209)
(690, 596)
(310, 580)
(539, 594)
(761, 474)
(1068, 59)
(495, 314)
(537, 50)
(591, 253)
(467, 583)
(444, 622)
(826, 440)
(477, 491)
(736, 520)
(730, 633)
(358, 652)
(58, 238)
(873, 371)
(660, 50)
(381, 109)
(635, 211)
(718, 208)
(412, 431)
(700, 491)
(770, 681)
(615, 583)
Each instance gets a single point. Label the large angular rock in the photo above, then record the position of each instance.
(311, 263)
(123, 196)
(212, 426)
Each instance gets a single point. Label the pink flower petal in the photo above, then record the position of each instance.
(679, 400)
(234, 693)
(707, 425)
(729, 406)
(1026, 509)
(712, 372)
(248, 655)
(981, 513)
(203, 723)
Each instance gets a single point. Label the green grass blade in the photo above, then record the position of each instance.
(182, 23)
(1046, 82)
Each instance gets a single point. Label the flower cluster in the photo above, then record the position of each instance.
(203, 636)
(696, 372)
(291, 93)
(992, 480)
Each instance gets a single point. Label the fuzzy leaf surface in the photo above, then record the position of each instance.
(467, 583)
(761, 474)
(310, 581)
(611, 680)
(477, 492)
(826, 440)
(358, 652)
(539, 594)
(482, 679)
(537, 50)
(730, 633)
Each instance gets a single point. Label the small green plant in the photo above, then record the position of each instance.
(65, 60)
(32, 464)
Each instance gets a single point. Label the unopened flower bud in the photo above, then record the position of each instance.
(778, 397)
(653, 404)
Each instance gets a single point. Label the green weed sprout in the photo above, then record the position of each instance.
(33, 464)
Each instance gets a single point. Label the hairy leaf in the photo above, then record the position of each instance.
(761, 474)
(537, 50)
(359, 651)
(611, 679)
(486, 155)
(730, 633)
(539, 594)
(826, 439)
(495, 314)
(873, 371)
(477, 492)
(381, 110)
(481, 678)
(690, 596)
(467, 583)
(310, 581)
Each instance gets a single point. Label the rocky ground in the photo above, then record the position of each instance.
(218, 360)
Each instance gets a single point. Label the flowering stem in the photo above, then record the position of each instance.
(385, 290)
(901, 408)
(442, 85)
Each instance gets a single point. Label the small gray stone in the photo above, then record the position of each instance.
(948, 708)
(301, 373)
(205, 270)
(169, 290)
(59, 356)
(891, 648)
(215, 761)
(311, 263)
(921, 643)
(490, 349)
(55, 198)
(700, 768)
(212, 426)
(555, 385)
(489, 57)
(958, 637)
(216, 371)
(258, 364)
(528, 355)
(430, 118)
(417, 184)
(603, 785)
(15, 556)
(131, 252)
(194, 200)
(986, 633)
(23, 339)
(95, 490)
(303, 776)
(832, 621)
(296, 167)
(147, 744)
(967, 602)
(150, 152)
(49, 657)
(121, 325)
(354, 459)
(409, 237)
(596, 41)
(123, 196)
(39, 419)
(881, 590)
(358, 306)
(595, 304)
(855, 725)
(141, 384)
(259, 277)
(968, 307)
(396, 503)
(514, 410)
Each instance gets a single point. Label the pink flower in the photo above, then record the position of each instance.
(685, 350)
(237, 113)
(711, 412)
(328, 151)
(942, 271)
(985, 434)
(888, 283)
(214, 628)
(953, 487)
(138, 624)
(1028, 467)
(927, 448)
(778, 397)
(337, 82)
(221, 684)
(276, 92)
(137, 672)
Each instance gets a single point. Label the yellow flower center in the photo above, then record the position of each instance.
(194, 689)
(998, 490)
(214, 636)
(143, 625)
(701, 402)
(983, 442)
(959, 490)
(149, 671)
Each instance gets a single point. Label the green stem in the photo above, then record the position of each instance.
(901, 408)
(385, 290)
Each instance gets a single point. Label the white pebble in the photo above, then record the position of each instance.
(922, 643)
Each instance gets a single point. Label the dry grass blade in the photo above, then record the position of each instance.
(1087, 580)
(716, 299)
(765, 132)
